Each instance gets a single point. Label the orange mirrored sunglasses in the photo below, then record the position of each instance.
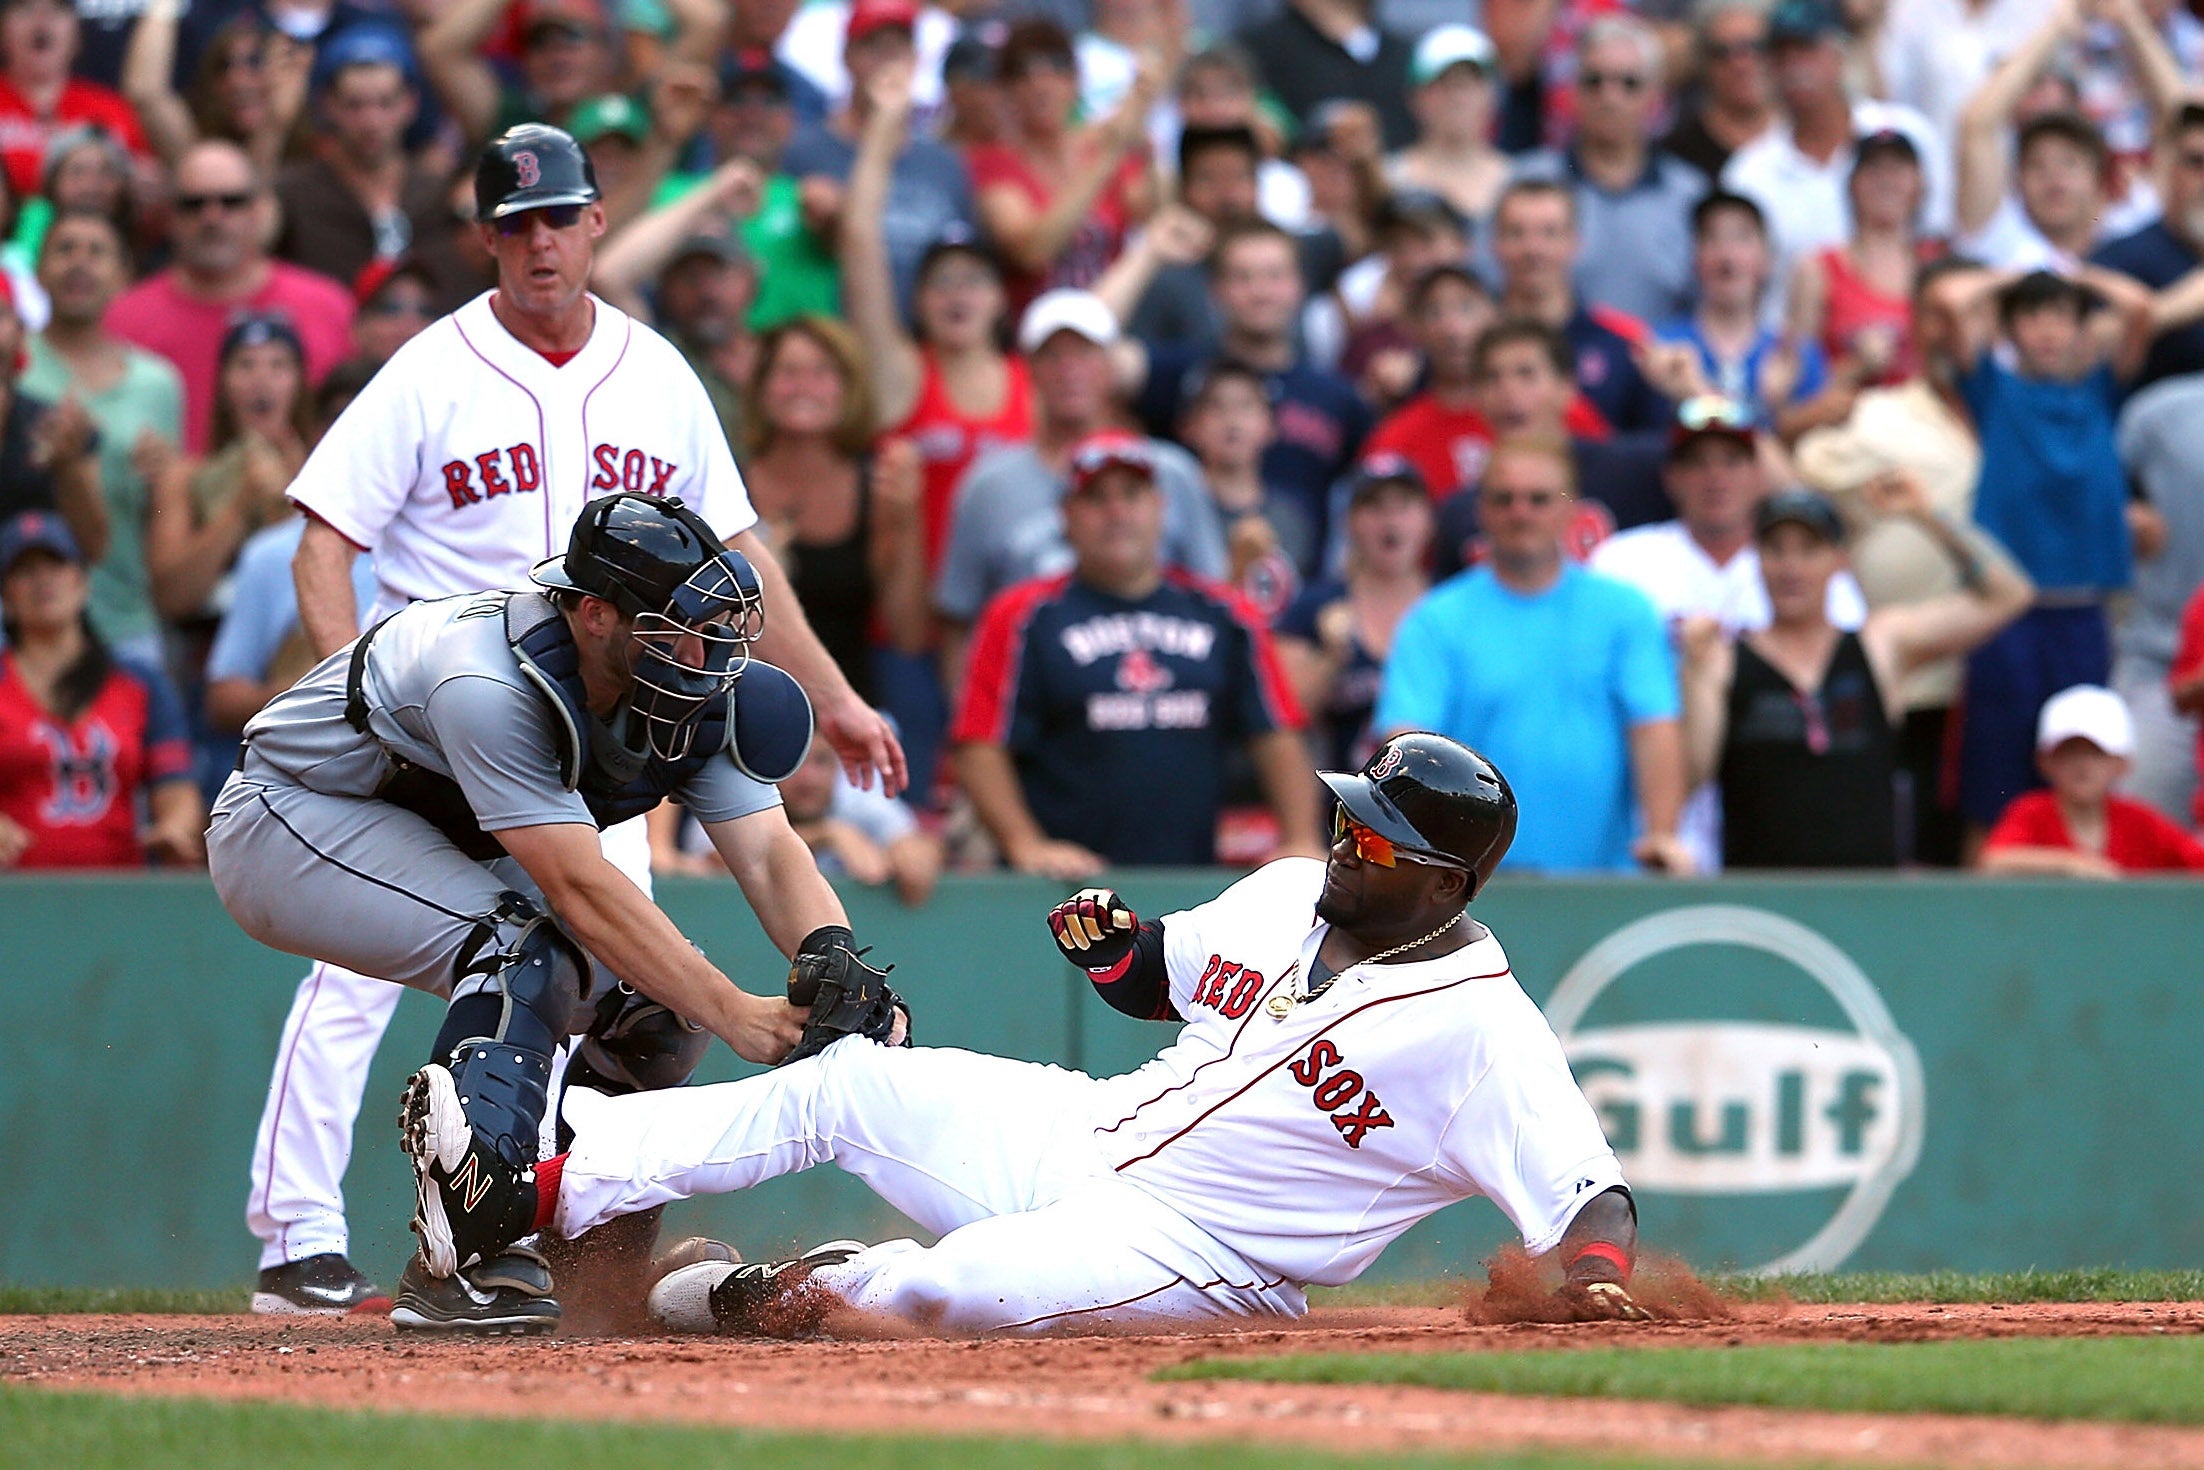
(1374, 847)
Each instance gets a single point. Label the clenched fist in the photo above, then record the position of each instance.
(1094, 928)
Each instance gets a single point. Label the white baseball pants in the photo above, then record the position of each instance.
(997, 1157)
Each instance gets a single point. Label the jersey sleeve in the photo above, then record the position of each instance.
(1277, 895)
(718, 792)
(358, 477)
(995, 671)
(1264, 698)
(167, 731)
(1526, 1139)
(500, 753)
(1645, 681)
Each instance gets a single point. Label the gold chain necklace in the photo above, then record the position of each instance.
(1281, 1005)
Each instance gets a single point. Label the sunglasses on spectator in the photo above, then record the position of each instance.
(1502, 499)
(1629, 83)
(557, 216)
(200, 203)
(1373, 847)
(1713, 411)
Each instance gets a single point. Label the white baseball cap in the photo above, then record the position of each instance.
(2090, 712)
(1066, 309)
(1451, 45)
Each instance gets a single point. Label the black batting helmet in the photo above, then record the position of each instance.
(658, 562)
(1435, 797)
(533, 166)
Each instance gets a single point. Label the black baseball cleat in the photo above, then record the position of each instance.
(729, 1297)
(507, 1295)
(469, 1204)
(326, 1285)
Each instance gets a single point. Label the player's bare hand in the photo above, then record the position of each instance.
(1664, 852)
(1066, 862)
(1602, 1301)
(766, 1029)
(866, 742)
(1094, 928)
(15, 840)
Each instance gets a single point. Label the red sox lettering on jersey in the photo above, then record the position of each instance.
(1334, 1089)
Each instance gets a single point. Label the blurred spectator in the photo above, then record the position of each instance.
(47, 459)
(131, 396)
(1854, 299)
(359, 198)
(1110, 52)
(755, 28)
(1797, 719)
(1218, 169)
(860, 832)
(1934, 54)
(1229, 424)
(1359, 326)
(1523, 392)
(1798, 171)
(1739, 355)
(259, 649)
(39, 97)
(204, 508)
(2061, 163)
(221, 220)
(95, 764)
(1736, 94)
(1057, 198)
(1316, 51)
(842, 519)
(2169, 249)
(248, 86)
(755, 119)
(1255, 274)
(2079, 828)
(1007, 525)
(813, 37)
(1340, 152)
(1100, 707)
(2161, 439)
(1335, 637)
(1451, 76)
(397, 298)
(928, 191)
(1440, 430)
(953, 392)
(1920, 429)
(1563, 677)
(1216, 90)
(568, 53)
(634, 148)
(87, 172)
(1632, 216)
(975, 114)
(1534, 240)
(2052, 493)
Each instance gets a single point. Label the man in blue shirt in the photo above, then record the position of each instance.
(2170, 246)
(1564, 677)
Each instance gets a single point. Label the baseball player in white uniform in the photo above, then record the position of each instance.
(464, 462)
(1355, 1055)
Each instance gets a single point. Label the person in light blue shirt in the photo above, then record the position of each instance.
(257, 653)
(1560, 676)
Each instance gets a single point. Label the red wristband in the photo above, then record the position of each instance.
(547, 1190)
(1614, 1255)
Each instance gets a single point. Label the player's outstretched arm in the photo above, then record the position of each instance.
(611, 919)
(779, 876)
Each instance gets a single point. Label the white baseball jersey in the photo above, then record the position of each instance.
(1307, 1141)
(466, 459)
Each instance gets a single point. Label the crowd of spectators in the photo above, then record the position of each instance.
(1772, 430)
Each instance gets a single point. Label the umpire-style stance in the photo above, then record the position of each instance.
(1355, 1054)
(425, 805)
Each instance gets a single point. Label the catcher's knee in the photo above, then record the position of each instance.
(519, 954)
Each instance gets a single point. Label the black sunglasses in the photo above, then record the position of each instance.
(1628, 82)
(557, 216)
(199, 203)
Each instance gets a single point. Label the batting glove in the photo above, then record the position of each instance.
(1094, 928)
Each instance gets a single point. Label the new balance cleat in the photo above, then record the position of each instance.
(507, 1295)
(469, 1203)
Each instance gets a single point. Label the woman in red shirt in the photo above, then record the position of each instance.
(1057, 199)
(2078, 828)
(82, 733)
(1856, 299)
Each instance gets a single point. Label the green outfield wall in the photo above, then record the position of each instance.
(1903, 1073)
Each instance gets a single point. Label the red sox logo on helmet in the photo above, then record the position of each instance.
(526, 170)
(1386, 763)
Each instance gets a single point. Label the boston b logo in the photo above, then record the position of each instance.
(526, 171)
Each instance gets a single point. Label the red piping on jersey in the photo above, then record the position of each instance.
(1270, 676)
(1113, 1306)
(1282, 1061)
(998, 654)
(592, 393)
(543, 436)
(1188, 1080)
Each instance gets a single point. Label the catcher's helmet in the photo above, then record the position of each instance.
(658, 562)
(1436, 797)
(532, 166)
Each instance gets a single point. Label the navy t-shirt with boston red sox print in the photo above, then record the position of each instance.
(1118, 713)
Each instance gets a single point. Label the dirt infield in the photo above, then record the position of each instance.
(1095, 1387)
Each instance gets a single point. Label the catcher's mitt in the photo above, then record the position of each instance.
(847, 997)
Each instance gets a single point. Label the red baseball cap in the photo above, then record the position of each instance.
(1110, 449)
(867, 16)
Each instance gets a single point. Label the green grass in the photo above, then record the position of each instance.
(2097, 1284)
(85, 1431)
(121, 1299)
(2144, 1380)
